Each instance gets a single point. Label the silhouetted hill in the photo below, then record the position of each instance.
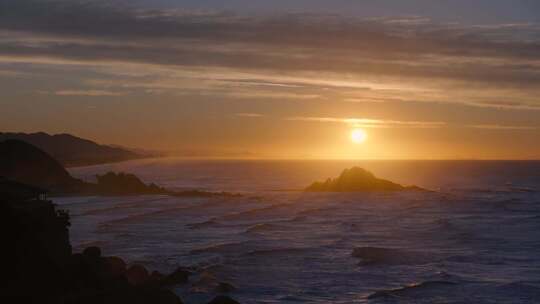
(357, 180)
(25, 163)
(73, 151)
(22, 162)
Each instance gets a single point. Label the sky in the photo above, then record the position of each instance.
(424, 79)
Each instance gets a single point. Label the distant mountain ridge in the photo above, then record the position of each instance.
(73, 151)
(24, 163)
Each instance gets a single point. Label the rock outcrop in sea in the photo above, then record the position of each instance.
(357, 180)
(112, 183)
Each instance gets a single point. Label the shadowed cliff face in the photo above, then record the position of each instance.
(35, 245)
(70, 150)
(24, 163)
(356, 180)
(27, 164)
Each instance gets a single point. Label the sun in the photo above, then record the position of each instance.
(358, 136)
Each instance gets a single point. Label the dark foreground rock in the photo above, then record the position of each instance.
(223, 300)
(39, 266)
(179, 276)
(357, 180)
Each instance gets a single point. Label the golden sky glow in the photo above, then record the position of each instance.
(256, 85)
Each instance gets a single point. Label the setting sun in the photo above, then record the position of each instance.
(358, 136)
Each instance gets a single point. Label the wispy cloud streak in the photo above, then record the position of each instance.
(382, 123)
(371, 123)
(93, 93)
(249, 115)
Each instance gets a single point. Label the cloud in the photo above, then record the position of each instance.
(382, 123)
(69, 29)
(249, 115)
(93, 93)
(502, 127)
(410, 57)
(368, 99)
(371, 123)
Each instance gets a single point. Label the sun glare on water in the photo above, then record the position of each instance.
(358, 136)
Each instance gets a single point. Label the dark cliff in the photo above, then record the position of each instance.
(24, 163)
(39, 266)
(70, 150)
(27, 164)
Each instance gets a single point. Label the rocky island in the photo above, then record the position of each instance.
(357, 180)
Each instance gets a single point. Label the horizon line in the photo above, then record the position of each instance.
(338, 159)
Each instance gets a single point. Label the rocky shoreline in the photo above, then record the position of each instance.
(25, 163)
(42, 268)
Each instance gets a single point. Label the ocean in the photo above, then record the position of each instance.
(474, 239)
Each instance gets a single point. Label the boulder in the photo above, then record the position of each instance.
(114, 267)
(223, 300)
(128, 296)
(93, 253)
(179, 276)
(224, 287)
(156, 276)
(137, 275)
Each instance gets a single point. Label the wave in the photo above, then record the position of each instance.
(115, 207)
(228, 248)
(298, 218)
(523, 189)
(279, 251)
(533, 217)
(490, 260)
(410, 290)
(143, 215)
(206, 224)
(316, 211)
(249, 214)
(528, 290)
(258, 228)
(389, 256)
